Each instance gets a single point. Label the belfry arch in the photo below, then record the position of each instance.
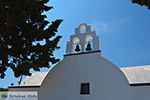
(88, 40)
(76, 42)
(83, 36)
(82, 28)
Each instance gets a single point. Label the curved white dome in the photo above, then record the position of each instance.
(64, 80)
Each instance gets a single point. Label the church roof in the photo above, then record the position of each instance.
(35, 79)
(135, 75)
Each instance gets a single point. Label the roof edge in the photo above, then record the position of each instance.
(23, 86)
(82, 53)
(139, 84)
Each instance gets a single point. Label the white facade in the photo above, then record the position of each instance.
(134, 74)
(106, 81)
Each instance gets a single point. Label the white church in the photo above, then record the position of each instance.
(84, 74)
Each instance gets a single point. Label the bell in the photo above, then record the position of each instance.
(88, 48)
(77, 48)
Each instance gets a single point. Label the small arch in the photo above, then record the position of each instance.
(82, 28)
(88, 39)
(76, 41)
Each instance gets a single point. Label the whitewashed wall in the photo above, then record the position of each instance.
(106, 80)
(140, 93)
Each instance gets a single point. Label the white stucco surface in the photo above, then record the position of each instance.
(107, 82)
(34, 80)
(137, 74)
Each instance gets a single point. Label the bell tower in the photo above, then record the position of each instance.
(84, 40)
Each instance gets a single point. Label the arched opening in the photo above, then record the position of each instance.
(89, 43)
(82, 28)
(76, 45)
(89, 38)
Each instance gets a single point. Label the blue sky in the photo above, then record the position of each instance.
(123, 28)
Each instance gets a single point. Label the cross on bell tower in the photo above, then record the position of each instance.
(84, 40)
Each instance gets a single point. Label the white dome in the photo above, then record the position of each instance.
(64, 80)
